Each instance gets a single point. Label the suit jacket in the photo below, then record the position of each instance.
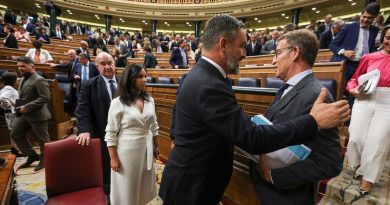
(325, 39)
(93, 72)
(70, 67)
(297, 184)
(30, 28)
(78, 51)
(45, 37)
(35, 97)
(268, 47)
(64, 27)
(92, 107)
(208, 123)
(253, 52)
(11, 42)
(177, 59)
(53, 34)
(150, 61)
(347, 39)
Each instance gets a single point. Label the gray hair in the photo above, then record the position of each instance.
(338, 23)
(306, 41)
(100, 55)
(217, 27)
(25, 59)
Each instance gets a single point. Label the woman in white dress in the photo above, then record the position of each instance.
(131, 136)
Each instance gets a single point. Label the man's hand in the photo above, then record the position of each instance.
(83, 138)
(76, 77)
(329, 115)
(52, 65)
(22, 109)
(263, 169)
(176, 67)
(349, 54)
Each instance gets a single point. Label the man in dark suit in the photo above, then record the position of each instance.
(2, 34)
(83, 48)
(28, 26)
(67, 28)
(329, 35)
(34, 97)
(209, 121)
(84, 71)
(270, 46)
(297, 183)
(253, 48)
(179, 58)
(355, 40)
(79, 29)
(191, 42)
(57, 33)
(327, 25)
(92, 109)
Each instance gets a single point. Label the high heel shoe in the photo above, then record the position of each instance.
(363, 192)
(357, 176)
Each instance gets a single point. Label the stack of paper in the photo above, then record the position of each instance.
(279, 158)
(369, 81)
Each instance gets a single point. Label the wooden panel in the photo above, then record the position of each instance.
(7, 178)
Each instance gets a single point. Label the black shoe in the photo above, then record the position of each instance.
(363, 193)
(357, 176)
(16, 153)
(39, 167)
(29, 161)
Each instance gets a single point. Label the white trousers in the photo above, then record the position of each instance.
(369, 140)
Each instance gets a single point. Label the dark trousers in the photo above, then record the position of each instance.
(18, 134)
(350, 69)
(106, 167)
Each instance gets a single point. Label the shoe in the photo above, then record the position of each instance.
(363, 193)
(16, 152)
(29, 161)
(3, 163)
(39, 167)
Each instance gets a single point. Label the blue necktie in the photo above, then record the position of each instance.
(365, 42)
(280, 92)
(112, 88)
(84, 72)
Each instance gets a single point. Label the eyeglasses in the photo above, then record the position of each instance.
(280, 51)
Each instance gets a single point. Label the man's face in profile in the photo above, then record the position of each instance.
(235, 52)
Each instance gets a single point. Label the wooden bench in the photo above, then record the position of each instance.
(161, 63)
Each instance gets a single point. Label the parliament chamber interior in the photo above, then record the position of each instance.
(58, 50)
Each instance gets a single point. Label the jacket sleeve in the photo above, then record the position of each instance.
(42, 89)
(83, 109)
(335, 44)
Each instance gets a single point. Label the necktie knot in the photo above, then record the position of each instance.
(280, 92)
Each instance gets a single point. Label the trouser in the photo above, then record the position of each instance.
(369, 140)
(18, 134)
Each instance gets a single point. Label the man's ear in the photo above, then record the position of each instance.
(297, 52)
(223, 43)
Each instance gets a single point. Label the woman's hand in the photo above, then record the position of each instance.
(115, 164)
(355, 92)
(156, 153)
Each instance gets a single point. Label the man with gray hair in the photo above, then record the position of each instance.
(209, 121)
(92, 109)
(330, 34)
(32, 112)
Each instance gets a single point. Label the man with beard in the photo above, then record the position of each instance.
(33, 112)
(209, 121)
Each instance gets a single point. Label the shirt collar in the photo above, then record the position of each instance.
(298, 77)
(107, 79)
(220, 69)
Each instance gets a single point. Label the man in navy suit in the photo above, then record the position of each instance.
(92, 109)
(209, 121)
(297, 183)
(253, 48)
(179, 58)
(329, 35)
(83, 71)
(28, 26)
(355, 40)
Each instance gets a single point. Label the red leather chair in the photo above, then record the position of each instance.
(74, 173)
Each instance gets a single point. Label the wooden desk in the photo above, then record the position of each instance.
(7, 178)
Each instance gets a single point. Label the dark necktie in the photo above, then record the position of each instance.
(280, 92)
(112, 88)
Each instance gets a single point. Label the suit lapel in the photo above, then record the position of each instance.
(103, 88)
(288, 97)
(25, 84)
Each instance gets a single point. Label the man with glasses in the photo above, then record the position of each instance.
(92, 109)
(297, 183)
(209, 121)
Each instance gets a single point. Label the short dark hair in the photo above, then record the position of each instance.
(306, 41)
(385, 29)
(126, 87)
(218, 26)
(9, 78)
(37, 44)
(372, 8)
(148, 49)
(25, 59)
(84, 55)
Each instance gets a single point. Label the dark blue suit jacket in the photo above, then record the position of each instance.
(209, 122)
(93, 72)
(347, 39)
(177, 59)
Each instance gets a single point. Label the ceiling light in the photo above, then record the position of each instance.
(38, 6)
(314, 8)
(189, 25)
(349, 0)
(259, 21)
(120, 19)
(353, 4)
(256, 19)
(68, 10)
(287, 17)
(168, 25)
(283, 14)
(166, 22)
(143, 21)
(146, 23)
(317, 12)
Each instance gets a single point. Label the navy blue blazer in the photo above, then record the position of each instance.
(209, 122)
(177, 59)
(93, 72)
(347, 39)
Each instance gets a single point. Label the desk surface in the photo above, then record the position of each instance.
(6, 177)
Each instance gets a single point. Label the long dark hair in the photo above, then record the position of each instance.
(126, 90)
